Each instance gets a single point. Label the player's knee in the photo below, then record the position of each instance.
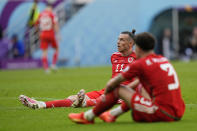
(125, 93)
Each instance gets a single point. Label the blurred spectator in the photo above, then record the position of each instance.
(34, 13)
(17, 47)
(165, 44)
(31, 33)
(4, 45)
(192, 44)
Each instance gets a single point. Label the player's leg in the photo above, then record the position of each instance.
(34, 104)
(44, 48)
(55, 54)
(105, 103)
(71, 101)
(68, 102)
(94, 98)
(126, 97)
(87, 99)
(113, 114)
(61, 103)
(45, 60)
(143, 109)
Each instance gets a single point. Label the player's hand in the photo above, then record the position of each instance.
(113, 83)
(108, 90)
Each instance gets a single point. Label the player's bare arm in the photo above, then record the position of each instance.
(143, 92)
(114, 83)
(133, 84)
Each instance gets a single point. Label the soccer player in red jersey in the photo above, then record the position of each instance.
(159, 79)
(119, 60)
(48, 26)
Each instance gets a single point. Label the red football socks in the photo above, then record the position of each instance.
(59, 103)
(106, 102)
(124, 107)
(45, 63)
(55, 57)
(91, 102)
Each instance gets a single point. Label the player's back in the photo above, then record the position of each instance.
(161, 81)
(46, 21)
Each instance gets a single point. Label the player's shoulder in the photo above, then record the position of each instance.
(133, 55)
(153, 59)
(115, 54)
(157, 58)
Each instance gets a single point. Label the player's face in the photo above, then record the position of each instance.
(123, 44)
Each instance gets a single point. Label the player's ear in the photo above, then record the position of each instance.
(132, 42)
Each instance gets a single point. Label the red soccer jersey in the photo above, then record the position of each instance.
(160, 80)
(46, 22)
(119, 63)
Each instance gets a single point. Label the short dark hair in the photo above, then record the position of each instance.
(131, 34)
(146, 41)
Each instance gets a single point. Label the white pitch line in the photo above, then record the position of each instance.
(47, 98)
(44, 98)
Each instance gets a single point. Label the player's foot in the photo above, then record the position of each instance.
(54, 68)
(79, 118)
(79, 99)
(31, 103)
(107, 117)
(47, 71)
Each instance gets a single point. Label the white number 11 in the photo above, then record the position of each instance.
(171, 72)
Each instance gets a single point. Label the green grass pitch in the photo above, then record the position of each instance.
(67, 81)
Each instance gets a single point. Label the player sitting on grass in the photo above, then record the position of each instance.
(159, 79)
(119, 60)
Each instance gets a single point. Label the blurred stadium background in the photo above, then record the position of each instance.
(89, 28)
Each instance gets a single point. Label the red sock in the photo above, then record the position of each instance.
(59, 103)
(55, 57)
(45, 62)
(92, 102)
(106, 102)
(124, 107)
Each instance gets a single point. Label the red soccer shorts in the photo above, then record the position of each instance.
(47, 39)
(144, 110)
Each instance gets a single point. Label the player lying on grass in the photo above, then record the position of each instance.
(159, 79)
(119, 60)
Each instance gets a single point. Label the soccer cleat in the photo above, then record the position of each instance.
(31, 103)
(79, 118)
(79, 99)
(107, 117)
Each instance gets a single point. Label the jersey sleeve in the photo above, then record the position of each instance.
(112, 66)
(131, 71)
